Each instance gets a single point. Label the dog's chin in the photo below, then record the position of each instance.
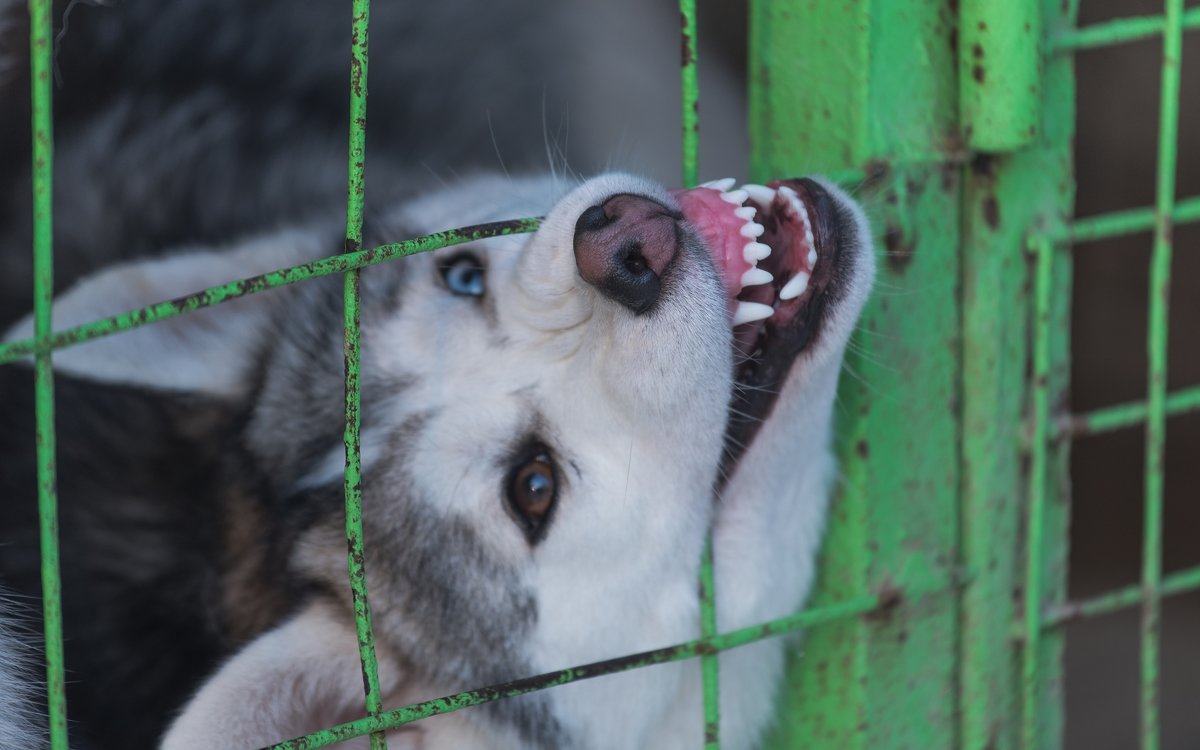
(785, 251)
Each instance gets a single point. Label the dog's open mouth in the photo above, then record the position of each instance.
(776, 247)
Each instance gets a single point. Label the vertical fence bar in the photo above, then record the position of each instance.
(1160, 278)
(355, 191)
(690, 112)
(41, 52)
(1036, 524)
(690, 121)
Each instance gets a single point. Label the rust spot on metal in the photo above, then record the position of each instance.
(876, 169)
(687, 57)
(977, 73)
(900, 247)
(949, 175)
(991, 212)
(890, 596)
(863, 449)
(977, 50)
(983, 165)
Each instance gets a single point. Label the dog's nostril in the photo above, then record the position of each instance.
(635, 262)
(593, 218)
(623, 246)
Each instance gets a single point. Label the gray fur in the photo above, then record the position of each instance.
(168, 110)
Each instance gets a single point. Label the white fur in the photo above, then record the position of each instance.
(165, 354)
(20, 725)
(637, 405)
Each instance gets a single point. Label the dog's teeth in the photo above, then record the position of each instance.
(745, 213)
(721, 185)
(797, 204)
(756, 276)
(760, 194)
(736, 197)
(795, 286)
(802, 212)
(812, 257)
(755, 251)
(748, 312)
(752, 230)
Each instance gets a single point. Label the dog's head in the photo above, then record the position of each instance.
(550, 423)
(569, 406)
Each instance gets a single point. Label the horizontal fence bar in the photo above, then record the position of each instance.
(1119, 31)
(1126, 415)
(1177, 583)
(1130, 221)
(214, 295)
(398, 717)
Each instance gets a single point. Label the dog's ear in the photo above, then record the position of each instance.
(300, 677)
(207, 351)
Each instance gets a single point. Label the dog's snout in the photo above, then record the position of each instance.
(622, 247)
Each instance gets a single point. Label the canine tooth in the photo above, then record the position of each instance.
(736, 197)
(756, 276)
(745, 213)
(722, 185)
(802, 212)
(812, 257)
(755, 251)
(760, 194)
(795, 286)
(748, 312)
(752, 230)
(793, 199)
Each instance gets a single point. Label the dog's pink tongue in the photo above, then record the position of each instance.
(713, 216)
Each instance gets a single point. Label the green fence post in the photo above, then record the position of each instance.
(1022, 188)
(999, 73)
(869, 86)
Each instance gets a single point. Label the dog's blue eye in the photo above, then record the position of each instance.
(463, 274)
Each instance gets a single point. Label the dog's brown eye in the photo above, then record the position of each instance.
(531, 492)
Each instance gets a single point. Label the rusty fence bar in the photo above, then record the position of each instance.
(1160, 279)
(352, 340)
(15, 350)
(41, 59)
(690, 123)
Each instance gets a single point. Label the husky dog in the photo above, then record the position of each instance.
(553, 424)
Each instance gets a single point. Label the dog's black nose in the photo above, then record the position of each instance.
(622, 247)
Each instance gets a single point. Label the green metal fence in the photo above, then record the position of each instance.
(955, 120)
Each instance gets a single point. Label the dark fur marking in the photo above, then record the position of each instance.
(139, 475)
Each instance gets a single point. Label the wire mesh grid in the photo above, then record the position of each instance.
(1037, 628)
